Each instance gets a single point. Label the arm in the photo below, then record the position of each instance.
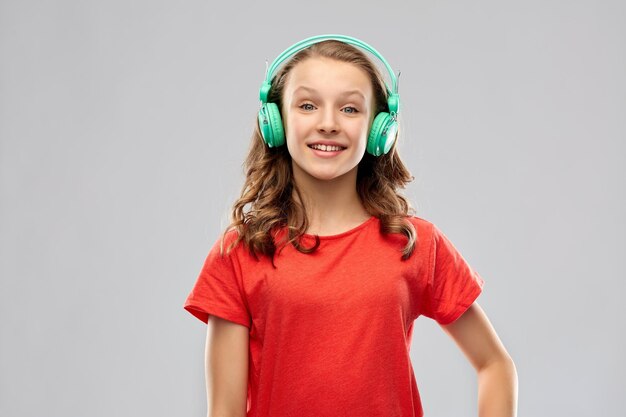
(497, 376)
(226, 363)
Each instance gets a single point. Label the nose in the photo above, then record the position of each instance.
(328, 121)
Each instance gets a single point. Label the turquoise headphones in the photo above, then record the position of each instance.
(384, 128)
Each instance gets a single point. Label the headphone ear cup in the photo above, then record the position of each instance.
(275, 124)
(271, 125)
(382, 134)
(264, 125)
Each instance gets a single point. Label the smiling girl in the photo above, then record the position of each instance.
(311, 292)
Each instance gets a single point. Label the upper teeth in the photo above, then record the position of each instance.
(327, 148)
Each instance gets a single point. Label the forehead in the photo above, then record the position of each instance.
(328, 76)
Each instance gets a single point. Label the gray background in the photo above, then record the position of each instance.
(123, 126)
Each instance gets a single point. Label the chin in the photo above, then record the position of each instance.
(327, 176)
(317, 171)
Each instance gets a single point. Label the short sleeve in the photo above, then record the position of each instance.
(218, 289)
(452, 283)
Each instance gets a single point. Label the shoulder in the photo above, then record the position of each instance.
(233, 244)
(422, 226)
(227, 252)
(224, 241)
(229, 236)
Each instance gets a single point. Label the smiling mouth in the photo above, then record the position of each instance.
(326, 148)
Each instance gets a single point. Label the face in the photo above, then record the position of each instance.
(327, 104)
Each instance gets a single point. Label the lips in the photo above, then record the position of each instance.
(326, 142)
(326, 148)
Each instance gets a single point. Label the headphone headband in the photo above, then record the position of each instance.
(393, 99)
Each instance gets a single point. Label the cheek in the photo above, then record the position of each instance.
(287, 122)
(289, 125)
(295, 125)
(361, 128)
(294, 130)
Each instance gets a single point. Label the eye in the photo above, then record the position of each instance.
(352, 110)
(306, 106)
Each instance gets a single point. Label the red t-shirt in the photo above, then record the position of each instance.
(330, 332)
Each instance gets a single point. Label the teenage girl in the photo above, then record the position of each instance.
(313, 289)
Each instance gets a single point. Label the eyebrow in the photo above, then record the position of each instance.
(345, 93)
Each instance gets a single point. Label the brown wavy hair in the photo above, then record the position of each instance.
(269, 185)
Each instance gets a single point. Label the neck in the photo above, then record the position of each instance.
(330, 205)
